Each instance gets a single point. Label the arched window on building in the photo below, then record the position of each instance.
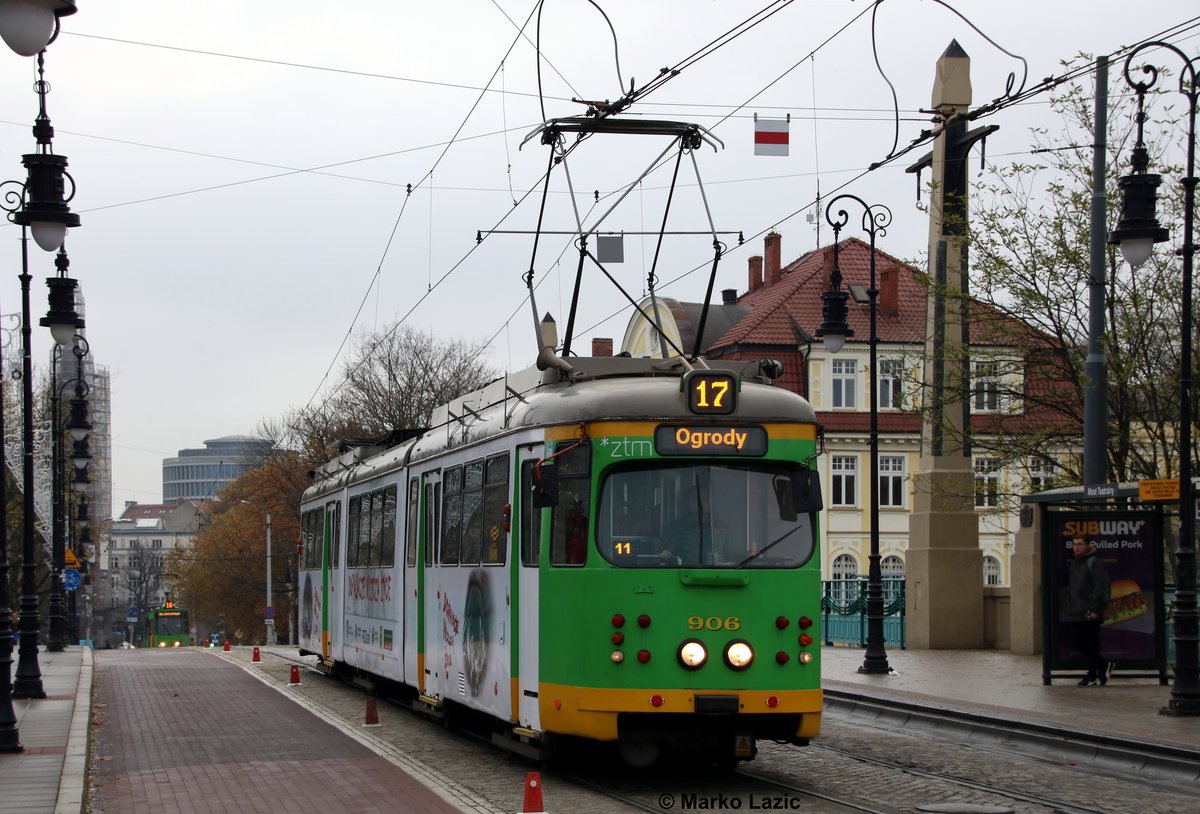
(845, 578)
(891, 568)
(991, 571)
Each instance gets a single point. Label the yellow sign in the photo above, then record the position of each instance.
(69, 559)
(1158, 490)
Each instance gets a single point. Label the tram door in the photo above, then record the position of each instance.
(331, 608)
(529, 534)
(410, 593)
(432, 638)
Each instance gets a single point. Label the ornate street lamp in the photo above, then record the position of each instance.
(39, 205)
(63, 321)
(1136, 233)
(834, 331)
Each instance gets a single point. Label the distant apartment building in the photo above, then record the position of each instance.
(131, 566)
(199, 474)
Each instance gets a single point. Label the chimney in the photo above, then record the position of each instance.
(602, 347)
(771, 270)
(756, 277)
(889, 292)
(826, 267)
(728, 296)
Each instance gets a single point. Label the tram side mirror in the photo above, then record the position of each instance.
(545, 486)
(799, 494)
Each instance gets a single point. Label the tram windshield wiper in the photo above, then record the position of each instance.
(769, 546)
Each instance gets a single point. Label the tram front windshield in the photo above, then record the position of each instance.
(170, 624)
(703, 515)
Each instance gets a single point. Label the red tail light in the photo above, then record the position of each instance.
(618, 620)
(805, 623)
(644, 620)
(781, 622)
(643, 656)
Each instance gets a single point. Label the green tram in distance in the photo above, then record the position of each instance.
(168, 626)
(613, 550)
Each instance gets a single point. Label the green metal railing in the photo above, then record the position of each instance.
(844, 611)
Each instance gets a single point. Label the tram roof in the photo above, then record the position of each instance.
(598, 388)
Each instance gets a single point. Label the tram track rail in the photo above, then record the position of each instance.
(783, 776)
(1150, 761)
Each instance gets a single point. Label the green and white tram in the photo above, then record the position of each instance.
(620, 550)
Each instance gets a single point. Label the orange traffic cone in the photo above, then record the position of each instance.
(256, 657)
(227, 645)
(372, 713)
(533, 793)
(295, 678)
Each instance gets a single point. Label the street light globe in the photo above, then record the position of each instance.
(833, 342)
(1136, 250)
(26, 26)
(48, 234)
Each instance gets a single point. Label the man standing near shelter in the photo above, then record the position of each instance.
(1089, 593)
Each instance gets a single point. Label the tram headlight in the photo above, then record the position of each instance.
(162, 644)
(739, 654)
(805, 658)
(693, 654)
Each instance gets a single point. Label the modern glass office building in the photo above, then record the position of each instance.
(198, 474)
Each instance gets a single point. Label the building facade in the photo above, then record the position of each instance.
(131, 567)
(199, 474)
(1011, 393)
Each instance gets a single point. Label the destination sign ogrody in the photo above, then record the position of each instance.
(674, 439)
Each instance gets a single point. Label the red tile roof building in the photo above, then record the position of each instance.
(778, 317)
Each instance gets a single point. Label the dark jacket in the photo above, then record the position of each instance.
(1089, 586)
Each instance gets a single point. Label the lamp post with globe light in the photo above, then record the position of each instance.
(833, 331)
(38, 206)
(1136, 233)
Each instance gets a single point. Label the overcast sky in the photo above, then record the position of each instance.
(241, 169)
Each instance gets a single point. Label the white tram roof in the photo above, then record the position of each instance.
(598, 388)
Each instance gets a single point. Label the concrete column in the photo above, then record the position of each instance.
(1025, 612)
(945, 565)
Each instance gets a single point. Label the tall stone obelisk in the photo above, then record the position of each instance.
(944, 568)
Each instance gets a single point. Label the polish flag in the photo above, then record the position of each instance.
(771, 136)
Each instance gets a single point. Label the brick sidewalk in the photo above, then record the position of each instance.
(183, 731)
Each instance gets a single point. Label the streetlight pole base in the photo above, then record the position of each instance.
(875, 666)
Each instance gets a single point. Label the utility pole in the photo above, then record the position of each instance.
(270, 612)
(1095, 397)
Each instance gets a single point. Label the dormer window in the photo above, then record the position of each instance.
(985, 387)
(845, 384)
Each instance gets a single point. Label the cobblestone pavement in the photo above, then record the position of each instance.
(838, 765)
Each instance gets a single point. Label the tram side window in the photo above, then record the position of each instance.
(364, 531)
(472, 509)
(310, 540)
(451, 516)
(387, 548)
(303, 545)
(334, 512)
(570, 518)
(352, 540)
(432, 502)
(410, 528)
(530, 526)
(495, 498)
(375, 538)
